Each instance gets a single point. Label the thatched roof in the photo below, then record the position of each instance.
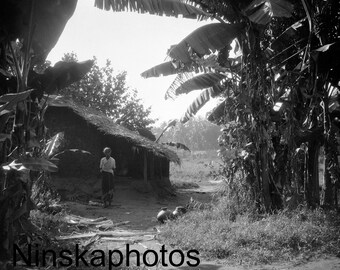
(108, 126)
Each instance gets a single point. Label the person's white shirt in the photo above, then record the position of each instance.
(107, 165)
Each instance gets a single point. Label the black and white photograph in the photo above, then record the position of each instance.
(170, 134)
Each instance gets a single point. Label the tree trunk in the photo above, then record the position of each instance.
(312, 179)
(265, 176)
(328, 195)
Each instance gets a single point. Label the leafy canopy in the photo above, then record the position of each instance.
(107, 92)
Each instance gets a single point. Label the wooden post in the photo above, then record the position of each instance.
(145, 167)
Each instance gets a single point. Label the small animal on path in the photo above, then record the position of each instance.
(179, 211)
(164, 215)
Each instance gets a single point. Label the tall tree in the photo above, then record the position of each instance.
(108, 92)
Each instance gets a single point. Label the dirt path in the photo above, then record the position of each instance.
(140, 209)
(131, 203)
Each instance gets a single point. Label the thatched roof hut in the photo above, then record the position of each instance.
(90, 130)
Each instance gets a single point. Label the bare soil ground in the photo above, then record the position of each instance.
(132, 201)
(139, 206)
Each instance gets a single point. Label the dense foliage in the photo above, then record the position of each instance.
(25, 40)
(285, 56)
(106, 91)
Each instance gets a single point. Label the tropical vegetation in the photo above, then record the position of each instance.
(108, 92)
(28, 31)
(273, 63)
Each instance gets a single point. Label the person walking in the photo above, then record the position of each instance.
(107, 169)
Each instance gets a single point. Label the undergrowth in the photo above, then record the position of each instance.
(233, 230)
(251, 239)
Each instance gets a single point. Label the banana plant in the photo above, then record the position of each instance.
(210, 41)
(174, 8)
(277, 62)
(28, 31)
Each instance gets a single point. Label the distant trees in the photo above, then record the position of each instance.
(106, 91)
(197, 134)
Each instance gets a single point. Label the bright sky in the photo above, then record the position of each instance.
(133, 42)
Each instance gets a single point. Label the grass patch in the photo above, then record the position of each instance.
(252, 240)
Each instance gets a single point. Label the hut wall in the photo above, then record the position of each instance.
(79, 134)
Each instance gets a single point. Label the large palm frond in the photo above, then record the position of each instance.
(199, 102)
(164, 69)
(202, 81)
(204, 41)
(38, 23)
(173, 8)
(174, 67)
(178, 81)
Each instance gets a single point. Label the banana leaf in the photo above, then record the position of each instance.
(61, 75)
(199, 102)
(53, 144)
(178, 145)
(178, 81)
(173, 8)
(50, 18)
(176, 67)
(164, 69)
(77, 151)
(10, 100)
(48, 22)
(170, 124)
(262, 11)
(205, 40)
(33, 164)
(201, 82)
